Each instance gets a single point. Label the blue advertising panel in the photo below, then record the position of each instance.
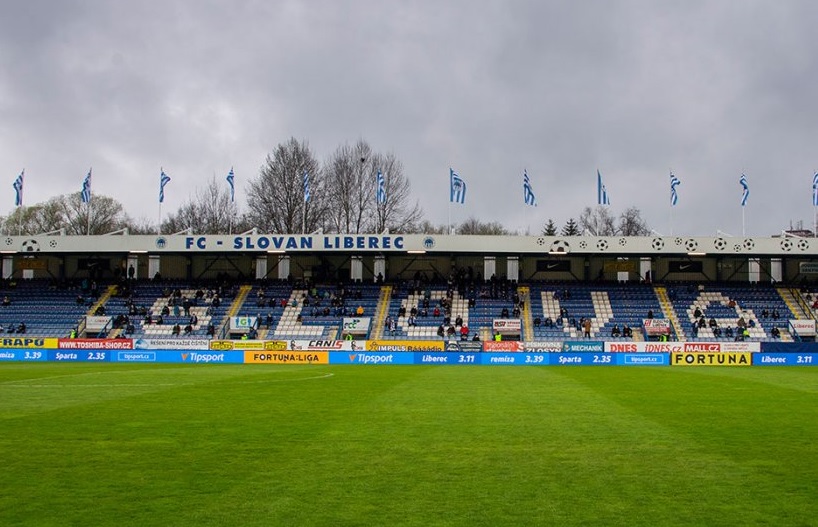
(78, 356)
(176, 356)
(436, 357)
(583, 359)
(23, 355)
(371, 357)
(785, 359)
(642, 359)
(789, 347)
(514, 359)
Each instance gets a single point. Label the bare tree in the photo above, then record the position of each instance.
(275, 199)
(208, 211)
(632, 224)
(396, 213)
(101, 215)
(427, 227)
(597, 222)
(474, 226)
(349, 175)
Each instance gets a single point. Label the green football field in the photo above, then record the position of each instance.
(207, 445)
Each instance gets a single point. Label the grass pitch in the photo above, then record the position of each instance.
(208, 445)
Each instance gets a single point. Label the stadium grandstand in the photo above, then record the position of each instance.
(410, 287)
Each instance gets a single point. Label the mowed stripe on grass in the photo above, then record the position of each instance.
(348, 445)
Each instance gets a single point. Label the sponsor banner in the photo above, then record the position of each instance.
(23, 355)
(656, 326)
(326, 345)
(79, 356)
(702, 346)
(405, 345)
(31, 263)
(28, 342)
(711, 359)
(96, 323)
(286, 357)
(642, 359)
(514, 359)
(583, 359)
(803, 328)
(507, 325)
(741, 346)
(644, 347)
(95, 344)
(583, 346)
(136, 356)
(368, 357)
(808, 267)
(785, 359)
(172, 344)
(620, 266)
(447, 358)
(231, 357)
(503, 345)
(464, 345)
(356, 325)
(249, 345)
(242, 323)
(545, 346)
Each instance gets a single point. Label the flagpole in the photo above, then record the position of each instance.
(88, 217)
(671, 202)
(159, 223)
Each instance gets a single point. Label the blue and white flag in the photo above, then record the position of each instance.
(230, 182)
(164, 179)
(528, 193)
(746, 193)
(306, 187)
(674, 195)
(380, 194)
(457, 188)
(601, 191)
(85, 194)
(18, 189)
(815, 190)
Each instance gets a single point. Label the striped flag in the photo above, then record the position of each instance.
(230, 182)
(528, 193)
(601, 191)
(306, 187)
(85, 194)
(380, 195)
(18, 189)
(746, 192)
(164, 179)
(457, 188)
(815, 190)
(674, 195)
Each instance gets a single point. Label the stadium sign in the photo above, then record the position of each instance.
(711, 359)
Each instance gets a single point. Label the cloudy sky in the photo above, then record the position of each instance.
(633, 88)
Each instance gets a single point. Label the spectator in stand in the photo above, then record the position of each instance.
(189, 330)
(412, 321)
(775, 332)
(464, 332)
(360, 311)
(741, 323)
(504, 313)
(458, 321)
(615, 332)
(697, 313)
(176, 330)
(6, 301)
(441, 331)
(702, 322)
(775, 315)
(476, 338)
(650, 313)
(537, 322)
(627, 331)
(436, 312)
(815, 304)
(712, 323)
(586, 328)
